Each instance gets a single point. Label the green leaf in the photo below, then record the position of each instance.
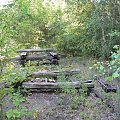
(109, 78)
(115, 75)
(9, 114)
(16, 113)
(101, 68)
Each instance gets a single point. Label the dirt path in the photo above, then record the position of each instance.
(57, 107)
(53, 106)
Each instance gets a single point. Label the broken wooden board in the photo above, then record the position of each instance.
(54, 74)
(36, 50)
(54, 85)
(105, 86)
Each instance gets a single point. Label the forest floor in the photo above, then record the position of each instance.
(60, 106)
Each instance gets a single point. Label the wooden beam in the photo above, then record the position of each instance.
(36, 50)
(55, 73)
(52, 85)
(33, 57)
(105, 86)
(42, 59)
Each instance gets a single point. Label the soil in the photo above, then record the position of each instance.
(56, 106)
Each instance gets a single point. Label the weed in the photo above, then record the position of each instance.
(12, 78)
(111, 70)
(77, 95)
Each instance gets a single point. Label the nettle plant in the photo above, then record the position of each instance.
(110, 69)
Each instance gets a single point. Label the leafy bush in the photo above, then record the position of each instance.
(110, 69)
(11, 78)
(18, 111)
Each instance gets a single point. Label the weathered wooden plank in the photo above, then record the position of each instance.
(37, 50)
(36, 57)
(43, 60)
(105, 86)
(55, 73)
(23, 55)
(52, 85)
(33, 57)
(41, 90)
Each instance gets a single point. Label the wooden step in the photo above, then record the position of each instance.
(54, 74)
(37, 50)
(54, 85)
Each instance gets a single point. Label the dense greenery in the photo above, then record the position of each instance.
(78, 27)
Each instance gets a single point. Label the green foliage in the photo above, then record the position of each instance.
(91, 25)
(115, 63)
(77, 95)
(15, 75)
(110, 69)
(18, 111)
(9, 28)
(76, 28)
